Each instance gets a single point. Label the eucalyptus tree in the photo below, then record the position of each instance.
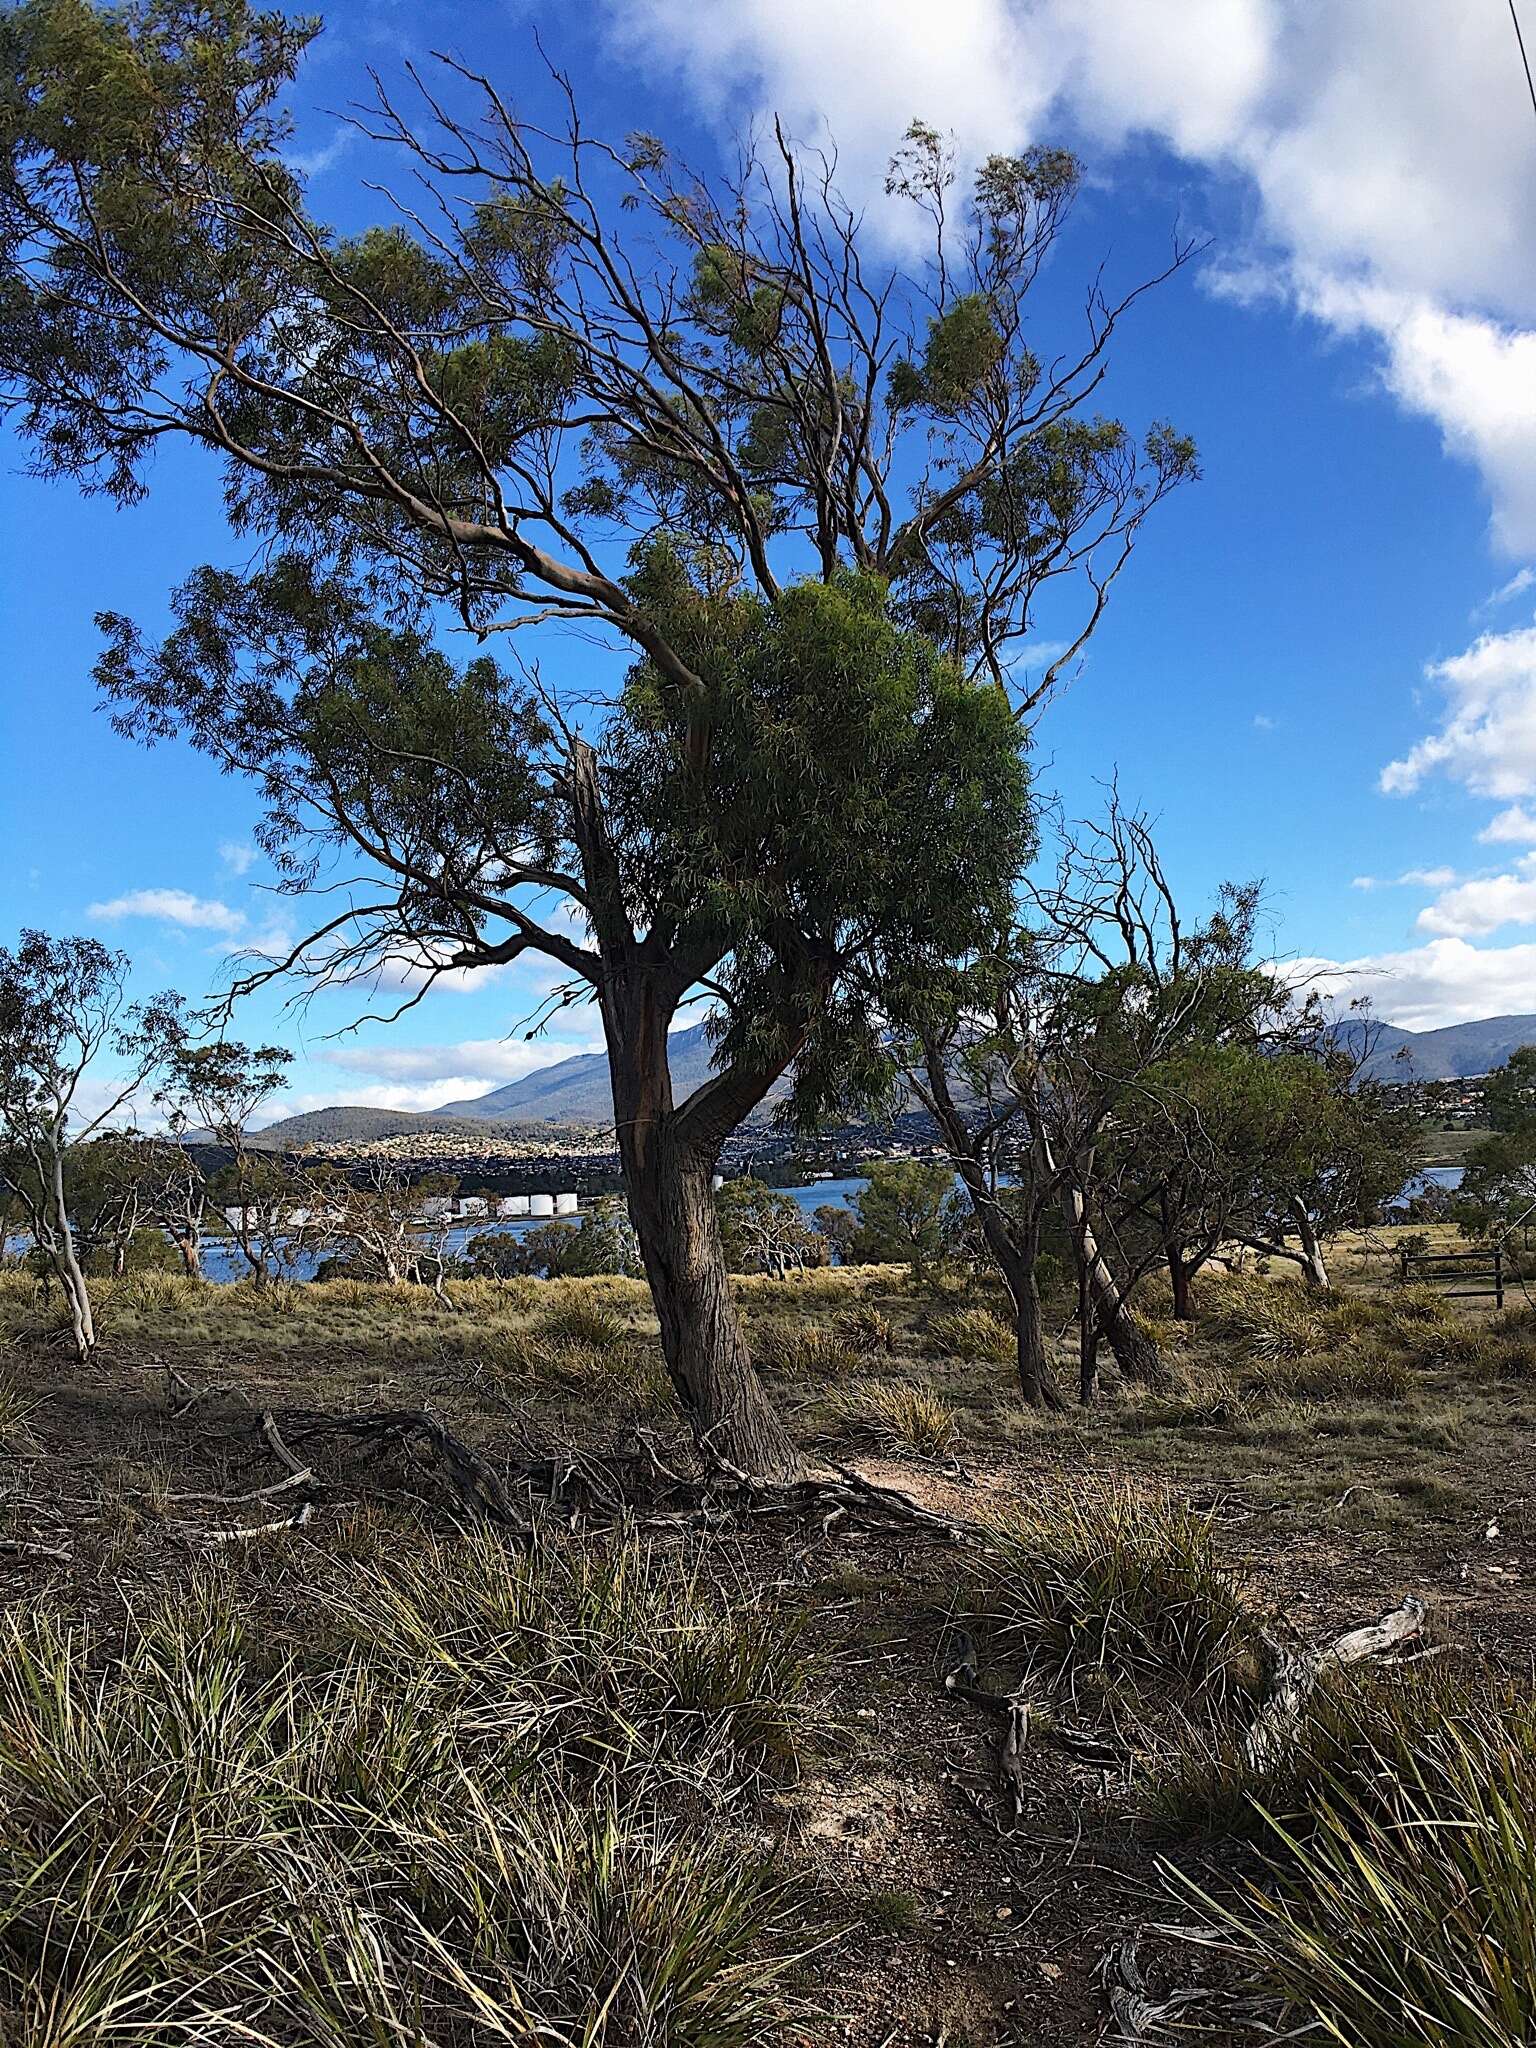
(218, 1087)
(1040, 1054)
(815, 493)
(63, 1005)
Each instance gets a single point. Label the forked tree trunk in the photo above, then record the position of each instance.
(669, 1157)
(1135, 1353)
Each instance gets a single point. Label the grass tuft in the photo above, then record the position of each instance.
(1122, 1589)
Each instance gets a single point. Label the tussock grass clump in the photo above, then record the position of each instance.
(975, 1335)
(1338, 1376)
(200, 1843)
(582, 1319)
(808, 1351)
(901, 1416)
(614, 1648)
(1122, 1588)
(1265, 1319)
(866, 1328)
(1400, 1901)
(155, 1293)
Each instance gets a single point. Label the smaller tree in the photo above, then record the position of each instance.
(371, 1218)
(1497, 1196)
(909, 1210)
(765, 1231)
(219, 1088)
(63, 1004)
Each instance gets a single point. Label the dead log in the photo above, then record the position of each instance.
(1297, 1673)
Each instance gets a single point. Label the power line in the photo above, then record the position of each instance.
(1520, 39)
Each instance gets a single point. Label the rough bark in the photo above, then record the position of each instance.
(671, 1204)
(1181, 1273)
(669, 1153)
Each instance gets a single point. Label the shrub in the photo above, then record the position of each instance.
(1125, 1587)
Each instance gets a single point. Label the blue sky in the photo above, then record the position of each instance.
(1319, 669)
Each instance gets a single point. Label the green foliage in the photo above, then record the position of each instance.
(908, 1210)
(856, 781)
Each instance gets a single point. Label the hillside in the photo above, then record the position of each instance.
(1451, 1053)
(576, 1090)
(349, 1124)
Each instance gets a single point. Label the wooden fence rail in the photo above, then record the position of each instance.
(1489, 1265)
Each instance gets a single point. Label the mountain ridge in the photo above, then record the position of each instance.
(575, 1090)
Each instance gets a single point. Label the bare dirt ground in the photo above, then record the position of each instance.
(945, 1919)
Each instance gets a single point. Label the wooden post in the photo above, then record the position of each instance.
(1403, 1255)
(1498, 1278)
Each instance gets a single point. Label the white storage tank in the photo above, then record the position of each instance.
(541, 1205)
(513, 1205)
(565, 1205)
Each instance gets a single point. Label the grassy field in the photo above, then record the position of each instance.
(322, 1757)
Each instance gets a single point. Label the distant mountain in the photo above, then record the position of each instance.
(348, 1124)
(1452, 1053)
(575, 1091)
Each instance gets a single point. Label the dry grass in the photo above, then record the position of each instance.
(900, 1416)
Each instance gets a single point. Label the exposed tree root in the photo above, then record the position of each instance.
(1297, 1673)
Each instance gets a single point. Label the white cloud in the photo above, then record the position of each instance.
(1387, 142)
(1488, 738)
(1447, 981)
(238, 857)
(1522, 581)
(1474, 909)
(1411, 878)
(172, 906)
(476, 1062)
(1516, 826)
(1262, 722)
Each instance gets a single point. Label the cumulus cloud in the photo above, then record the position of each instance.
(475, 1061)
(1384, 209)
(1473, 909)
(1447, 981)
(172, 906)
(1487, 740)
(237, 856)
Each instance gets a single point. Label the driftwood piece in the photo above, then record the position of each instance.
(1141, 2021)
(1297, 1673)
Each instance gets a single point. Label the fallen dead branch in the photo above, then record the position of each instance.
(1297, 1673)
(1140, 2020)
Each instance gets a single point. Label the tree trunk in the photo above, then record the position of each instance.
(1180, 1274)
(1135, 1353)
(669, 1157)
(671, 1204)
(1312, 1263)
(66, 1263)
